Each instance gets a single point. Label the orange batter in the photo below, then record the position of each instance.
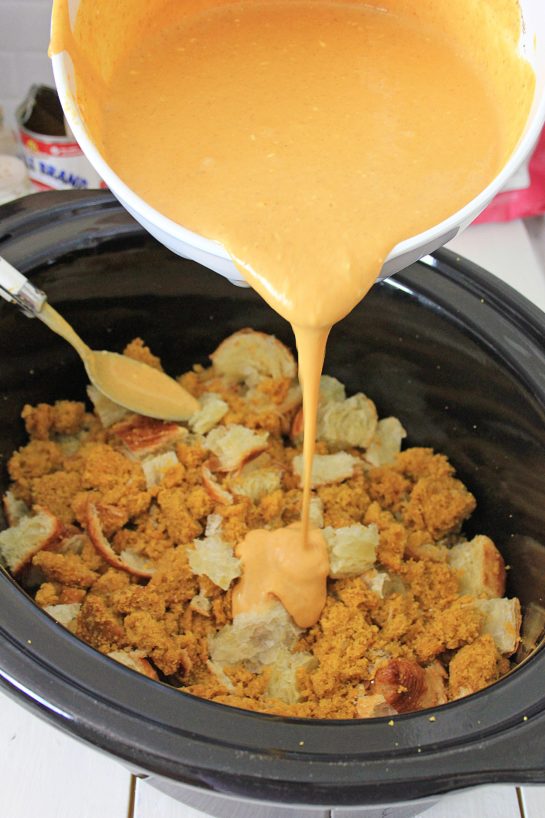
(295, 571)
(308, 137)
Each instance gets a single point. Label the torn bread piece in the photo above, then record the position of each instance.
(435, 686)
(283, 674)
(19, 543)
(293, 399)
(352, 422)
(108, 412)
(248, 356)
(64, 614)
(234, 445)
(373, 706)
(69, 444)
(216, 492)
(14, 509)
(155, 468)
(297, 427)
(502, 620)
(72, 542)
(332, 410)
(257, 484)
(377, 581)
(144, 436)
(259, 401)
(262, 402)
(331, 390)
(127, 561)
(257, 478)
(135, 660)
(352, 549)
(254, 639)
(327, 468)
(386, 442)
(479, 566)
(220, 675)
(316, 512)
(214, 557)
(214, 523)
(201, 604)
(213, 409)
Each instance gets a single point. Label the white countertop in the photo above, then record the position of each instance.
(47, 774)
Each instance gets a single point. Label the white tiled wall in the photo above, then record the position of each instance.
(24, 37)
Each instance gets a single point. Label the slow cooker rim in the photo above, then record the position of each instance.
(463, 710)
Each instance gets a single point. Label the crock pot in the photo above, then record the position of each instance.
(457, 355)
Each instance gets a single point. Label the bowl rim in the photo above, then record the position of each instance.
(63, 73)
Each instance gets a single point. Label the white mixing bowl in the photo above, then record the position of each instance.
(213, 255)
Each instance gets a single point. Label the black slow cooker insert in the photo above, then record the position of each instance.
(455, 354)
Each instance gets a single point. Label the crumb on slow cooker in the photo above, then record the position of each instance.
(124, 528)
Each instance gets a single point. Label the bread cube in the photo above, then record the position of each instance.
(502, 620)
(156, 467)
(327, 468)
(352, 422)
(234, 445)
(213, 408)
(257, 478)
(144, 436)
(14, 509)
(64, 614)
(107, 411)
(283, 674)
(316, 512)
(331, 390)
(214, 557)
(373, 706)
(479, 566)
(248, 356)
(135, 660)
(216, 492)
(19, 543)
(254, 639)
(352, 549)
(128, 561)
(386, 442)
(201, 604)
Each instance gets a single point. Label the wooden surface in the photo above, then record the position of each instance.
(47, 774)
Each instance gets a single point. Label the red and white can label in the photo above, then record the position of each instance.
(55, 163)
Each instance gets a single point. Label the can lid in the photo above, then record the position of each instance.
(41, 112)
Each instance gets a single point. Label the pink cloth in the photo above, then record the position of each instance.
(520, 204)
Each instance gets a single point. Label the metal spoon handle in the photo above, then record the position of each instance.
(130, 383)
(16, 288)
